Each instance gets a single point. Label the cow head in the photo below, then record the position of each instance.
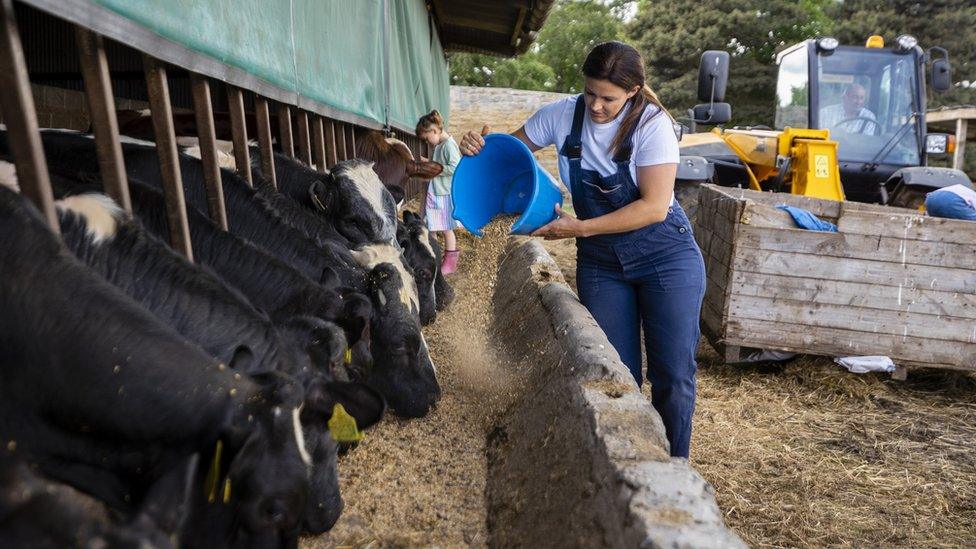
(393, 162)
(361, 209)
(415, 242)
(266, 460)
(402, 369)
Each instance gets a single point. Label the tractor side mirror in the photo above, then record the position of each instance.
(713, 75)
(941, 71)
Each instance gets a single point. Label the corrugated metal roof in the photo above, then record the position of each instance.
(495, 27)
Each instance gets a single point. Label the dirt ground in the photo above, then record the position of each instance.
(421, 482)
(805, 454)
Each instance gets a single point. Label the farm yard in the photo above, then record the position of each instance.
(232, 313)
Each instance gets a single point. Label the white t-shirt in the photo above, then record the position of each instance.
(654, 141)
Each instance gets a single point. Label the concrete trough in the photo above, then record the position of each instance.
(581, 458)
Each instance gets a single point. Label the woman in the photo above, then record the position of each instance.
(637, 262)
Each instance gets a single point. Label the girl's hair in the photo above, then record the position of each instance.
(623, 66)
(433, 118)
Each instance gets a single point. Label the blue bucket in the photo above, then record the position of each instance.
(503, 178)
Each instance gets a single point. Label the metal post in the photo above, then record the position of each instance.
(264, 140)
(207, 135)
(169, 165)
(304, 145)
(101, 107)
(284, 130)
(17, 105)
(242, 156)
(962, 126)
(318, 143)
(340, 140)
(331, 156)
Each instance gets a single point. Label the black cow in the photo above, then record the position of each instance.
(103, 396)
(198, 305)
(420, 256)
(38, 512)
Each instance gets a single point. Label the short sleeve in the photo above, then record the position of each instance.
(452, 155)
(541, 127)
(658, 142)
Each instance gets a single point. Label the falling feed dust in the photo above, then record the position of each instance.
(421, 482)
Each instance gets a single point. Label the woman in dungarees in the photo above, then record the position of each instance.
(637, 263)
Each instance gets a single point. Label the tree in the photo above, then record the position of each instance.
(672, 36)
(554, 61)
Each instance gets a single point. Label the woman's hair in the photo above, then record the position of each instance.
(623, 66)
(433, 118)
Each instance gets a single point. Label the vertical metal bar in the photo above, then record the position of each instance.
(331, 155)
(203, 108)
(17, 106)
(340, 140)
(304, 144)
(242, 156)
(169, 161)
(318, 143)
(264, 140)
(101, 107)
(959, 157)
(284, 131)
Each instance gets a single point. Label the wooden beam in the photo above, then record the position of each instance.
(304, 143)
(318, 143)
(17, 105)
(284, 131)
(960, 155)
(340, 140)
(203, 108)
(350, 141)
(242, 156)
(331, 148)
(101, 108)
(264, 140)
(169, 162)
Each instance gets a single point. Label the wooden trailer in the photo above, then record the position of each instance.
(891, 281)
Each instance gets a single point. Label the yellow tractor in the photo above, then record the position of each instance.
(850, 125)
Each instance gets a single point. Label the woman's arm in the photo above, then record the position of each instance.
(472, 142)
(656, 185)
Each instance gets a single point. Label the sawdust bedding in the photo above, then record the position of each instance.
(805, 454)
(422, 482)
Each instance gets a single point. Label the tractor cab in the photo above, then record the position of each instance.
(871, 99)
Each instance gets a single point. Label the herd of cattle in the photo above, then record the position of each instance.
(149, 400)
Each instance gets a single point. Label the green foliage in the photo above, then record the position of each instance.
(553, 64)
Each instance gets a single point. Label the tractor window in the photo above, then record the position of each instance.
(866, 97)
(792, 91)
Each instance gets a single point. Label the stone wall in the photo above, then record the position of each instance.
(504, 109)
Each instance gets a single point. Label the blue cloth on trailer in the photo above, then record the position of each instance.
(808, 221)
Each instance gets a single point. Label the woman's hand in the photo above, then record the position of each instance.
(471, 142)
(567, 226)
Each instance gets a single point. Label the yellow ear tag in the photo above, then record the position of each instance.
(213, 475)
(226, 490)
(348, 357)
(343, 426)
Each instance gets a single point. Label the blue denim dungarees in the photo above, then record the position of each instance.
(653, 276)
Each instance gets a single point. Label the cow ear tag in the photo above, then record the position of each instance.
(343, 426)
(348, 360)
(226, 490)
(213, 475)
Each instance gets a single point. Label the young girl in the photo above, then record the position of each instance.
(439, 206)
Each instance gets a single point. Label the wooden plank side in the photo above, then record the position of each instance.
(203, 110)
(800, 338)
(264, 140)
(854, 270)
(242, 155)
(856, 246)
(909, 227)
(856, 295)
(873, 321)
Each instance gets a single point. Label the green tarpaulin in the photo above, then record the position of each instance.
(329, 51)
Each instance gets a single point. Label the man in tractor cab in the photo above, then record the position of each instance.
(850, 115)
